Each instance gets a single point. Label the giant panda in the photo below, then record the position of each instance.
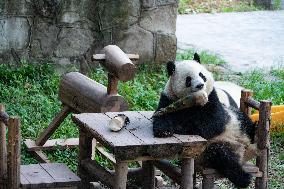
(230, 133)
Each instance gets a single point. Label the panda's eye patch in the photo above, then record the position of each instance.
(188, 81)
(203, 77)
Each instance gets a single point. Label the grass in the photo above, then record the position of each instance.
(213, 6)
(30, 91)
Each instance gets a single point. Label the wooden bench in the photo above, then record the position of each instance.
(37, 176)
(135, 142)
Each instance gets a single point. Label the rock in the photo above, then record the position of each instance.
(166, 2)
(160, 20)
(73, 42)
(14, 33)
(137, 40)
(148, 3)
(166, 46)
(45, 39)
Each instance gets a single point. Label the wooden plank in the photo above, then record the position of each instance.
(3, 151)
(40, 156)
(24, 182)
(57, 120)
(61, 174)
(105, 154)
(37, 176)
(14, 153)
(52, 144)
(97, 125)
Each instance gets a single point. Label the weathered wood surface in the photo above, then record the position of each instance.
(263, 143)
(14, 153)
(245, 95)
(57, 120)
(85, 95)
(139, 134)
(169, 169)
(118, 63)
(47, 175)
(102, 57)
(187, 172)
(52, 144)
(148, 175)
(112, 87)
(120, 175)
(3, 151)
(40, 156)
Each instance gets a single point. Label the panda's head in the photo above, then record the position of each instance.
(187, 77)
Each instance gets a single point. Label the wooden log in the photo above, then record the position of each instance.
(253, 103)
(121, 171)
(148, 175)
(59, 118)
(14, 153)
(169, 169)
(98, 173)
(263, 143)
(102, 57)
(87, 96)
(245, 95)
(187, 172)
(3, 151)
(118, 63)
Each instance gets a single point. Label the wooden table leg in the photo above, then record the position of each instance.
(85, 152)
(148, 175)
(187, 172)
(121, 170)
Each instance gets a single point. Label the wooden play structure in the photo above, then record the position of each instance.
(94, 105)
(80, 94)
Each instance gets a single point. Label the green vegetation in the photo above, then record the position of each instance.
(30, 91)
(209, 6)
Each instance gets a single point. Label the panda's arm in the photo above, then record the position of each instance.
(164, 101)
(163, 126)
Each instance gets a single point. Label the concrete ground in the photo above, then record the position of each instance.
(245, 40)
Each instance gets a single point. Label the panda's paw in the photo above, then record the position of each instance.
(162, 132)
(201, 98)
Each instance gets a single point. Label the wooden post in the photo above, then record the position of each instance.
(121, 171)
(14, 151)
(244, 96)
(85, 153)
(263, 143)
(208, 182)
(148, 175)
(187, 172)
(112, 85)
(3, 152)
(46, 134)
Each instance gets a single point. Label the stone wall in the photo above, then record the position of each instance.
(67, 30)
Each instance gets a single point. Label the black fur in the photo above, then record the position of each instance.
(220, 156)
(171, 68)
(231, 100)
(196, 57)
(192, 120)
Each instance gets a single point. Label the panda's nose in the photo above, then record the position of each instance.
(200, 86)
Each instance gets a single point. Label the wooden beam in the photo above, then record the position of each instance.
(14, 153)
(97, 172)
(52, 144)
(40, 156)
(148, 175)
(245, 95)
(59, 118)
(120, 178)
(3, 151)
(169, 169)
(105, 154)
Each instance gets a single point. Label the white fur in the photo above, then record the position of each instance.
(175, 87)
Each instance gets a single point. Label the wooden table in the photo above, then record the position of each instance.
(135, 142)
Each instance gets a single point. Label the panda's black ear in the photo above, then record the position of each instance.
(171, 67)
(196, 57)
